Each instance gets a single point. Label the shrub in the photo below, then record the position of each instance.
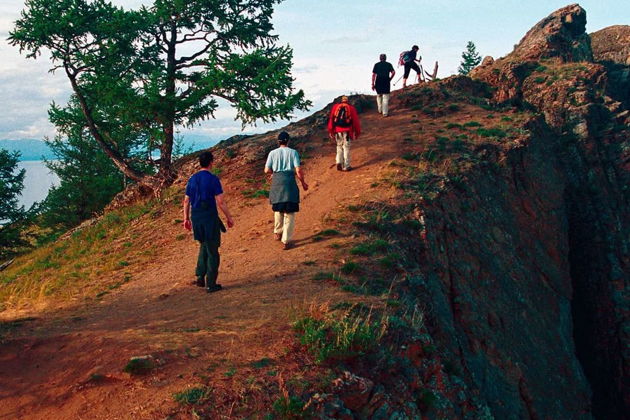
(344, 338)
(192, 395)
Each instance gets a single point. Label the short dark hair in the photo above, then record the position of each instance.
(382, 57)
(205, 159)
(283, 138)
(415, 47)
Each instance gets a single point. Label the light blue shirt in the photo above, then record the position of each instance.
(283, 159)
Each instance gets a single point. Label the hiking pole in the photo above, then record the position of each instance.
(397, 80)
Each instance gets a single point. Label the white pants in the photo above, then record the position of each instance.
(343, 149)
(382, 101)
(284, 223)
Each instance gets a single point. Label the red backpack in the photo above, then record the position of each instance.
(342, 117)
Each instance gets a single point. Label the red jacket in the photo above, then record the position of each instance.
(354, 129)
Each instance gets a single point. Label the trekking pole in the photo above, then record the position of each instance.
(397, 80)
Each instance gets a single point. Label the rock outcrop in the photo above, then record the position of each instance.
(560, 35)
(612, 44)
(548, 236)
(611, 48)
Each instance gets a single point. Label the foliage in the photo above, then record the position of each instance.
(160, 67)
(288, 407)
(88, 178)
(329, 338)
(192, 395)
(470, 59)
(77, 266)
(139, 365)
(12, 215)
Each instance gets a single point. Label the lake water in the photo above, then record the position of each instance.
(37, 182)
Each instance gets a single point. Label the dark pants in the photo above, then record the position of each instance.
(208, 263)
(409, 66)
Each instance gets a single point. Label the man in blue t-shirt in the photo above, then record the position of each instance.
(203, 194)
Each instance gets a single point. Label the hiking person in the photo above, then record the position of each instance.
(409, 60)
(284, 165)
(382, 74)
(203, 195)
(343, 127)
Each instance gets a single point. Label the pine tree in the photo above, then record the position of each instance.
(470, 59)
(11, 213)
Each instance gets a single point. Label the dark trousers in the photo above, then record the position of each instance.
(208, 263)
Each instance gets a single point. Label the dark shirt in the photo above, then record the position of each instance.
(202, 187)
(411, 56)
(382, 69)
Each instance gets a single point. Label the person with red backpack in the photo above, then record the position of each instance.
(408, 59)
(343, 127)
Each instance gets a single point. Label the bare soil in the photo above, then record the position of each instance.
(68, 363)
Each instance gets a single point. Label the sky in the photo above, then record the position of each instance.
(335, 45)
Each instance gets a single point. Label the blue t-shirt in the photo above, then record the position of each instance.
(283, 159)
(202, 187)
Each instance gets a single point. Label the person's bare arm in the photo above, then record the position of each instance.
(268, 170)
(392, 74)
(300, 175)
(224, 208)
(187, 223)
(373, 81)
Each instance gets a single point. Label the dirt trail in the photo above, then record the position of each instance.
(46, 366)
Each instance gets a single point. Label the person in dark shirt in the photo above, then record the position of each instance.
(411, 61)
(382, 74)
(203, 194)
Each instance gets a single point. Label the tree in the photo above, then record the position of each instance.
(470, 59)
(160, 67)
(11, 214)
(88, 179)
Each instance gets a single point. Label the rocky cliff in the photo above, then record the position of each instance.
(530, 261)
(522, 264)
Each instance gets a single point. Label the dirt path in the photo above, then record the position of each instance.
(48, 367)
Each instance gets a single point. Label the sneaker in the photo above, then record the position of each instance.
(277, 236)
(214, 288)
(348, 169)
(339, 167)
(286, 246)
(200, 282)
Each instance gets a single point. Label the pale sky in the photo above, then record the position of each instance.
(335, 45)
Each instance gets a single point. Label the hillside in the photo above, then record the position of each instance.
(473, 265)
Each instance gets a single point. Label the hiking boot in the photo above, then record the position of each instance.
(214, 288)
(200, 282)
(348, 169)
(277, 236)
(339, 168)
(287, 246)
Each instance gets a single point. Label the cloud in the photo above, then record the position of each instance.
(347, 40)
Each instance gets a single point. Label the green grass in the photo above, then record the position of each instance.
(472, 124)
(491, 132)
(370, 248)
(192, 396)
(290, 407)
(82, 263)
(349, 267)
(343, 338)
(262, 363)
(261, 193)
